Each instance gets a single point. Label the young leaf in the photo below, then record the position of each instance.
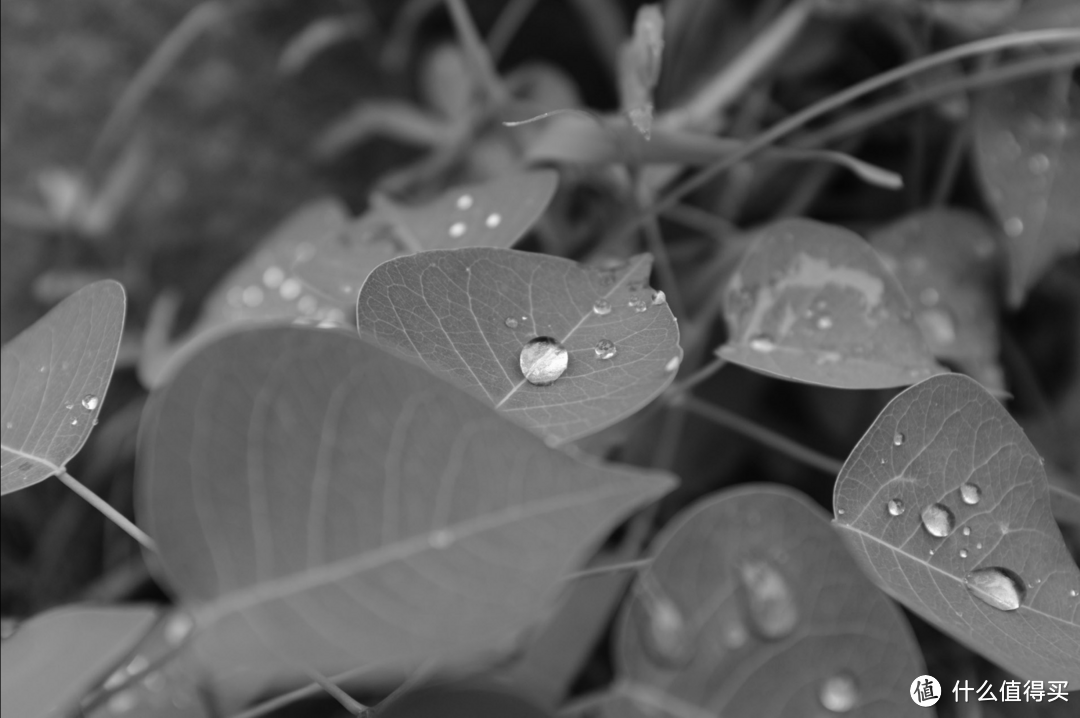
(945, 504)
(346, 508)
(946, 261)
(56, 657)
(812, 302)
(773, 618)
(1027, 150)
(469, 314)
(55, 375)
(639, 67)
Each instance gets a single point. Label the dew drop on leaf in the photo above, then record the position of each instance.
(74, 422)
(638, 305)
(273, 277)
(290, 289)
(457, 229)
(762, 343)
(543, 360)
(1074, 593)
(996, 587)
(898, 439)
(896, 507)
(602, 307)
(123, 702)
(665, 635)
(659, 298)
(839, 693)
(970, 493)
(673, 364)
(770, 602)
(465, 201)
(178, 628)
(938, 520)
(252, 296)
(90, 402)
(963, 553)
(605, 349)
(493, 220)
(967, 531)
(511, 322)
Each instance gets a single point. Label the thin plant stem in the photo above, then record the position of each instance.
(950, 165)
(104, 507)
(603, 569)
(761, 434)
(477, 52)
(308, 691)
(507, 26)
(334, 691)
(684, 387)
(700, 220)
(655, 242)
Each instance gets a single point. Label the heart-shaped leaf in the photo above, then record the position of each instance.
(469, 314)
(753, 607)
(945, 504)
(54, 379)
(812, 302)
(1027, 150)
(946, 260)
(346, 508)
(56, 657)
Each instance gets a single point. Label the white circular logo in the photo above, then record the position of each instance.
(925, 691)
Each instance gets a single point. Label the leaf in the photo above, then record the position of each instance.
(347, 509)
(769, 610)
(946, 261)
(56, 657)
(812, 302)
(1027, 151)
(55, 375)
(466, 315)
(639, 67)
(927, 445)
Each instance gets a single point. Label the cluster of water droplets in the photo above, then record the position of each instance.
(459, 228)
(276, 283)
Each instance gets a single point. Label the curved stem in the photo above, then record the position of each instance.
(104, 507)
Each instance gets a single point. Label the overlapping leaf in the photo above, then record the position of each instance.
(345, 508)
(753, 607)
(1027, 150)
(55, 658)
(946, 260)
(969, 527)
(465, 314)
(54, 379)
(812, 302)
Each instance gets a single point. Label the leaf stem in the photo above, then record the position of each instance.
(104, 507)
(761, 434)
(634, 565)
(312, 689)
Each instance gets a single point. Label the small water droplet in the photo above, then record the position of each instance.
(638, 305)
(90, 402)
(178, 628)
(1074, 593)
(898, 439)
(770, 602)
(602, 307)
(762, 343)
(664, 631)
(464, 201)
(839, 693)
(970, 493)
(996, 587)
(273, 277)
(1038, 163)
(1013, 226)
(824, 322)
(659, 298)
(457, 229)
(937, 520)
(979, 545)
(963, 553)
(493, 220)
(74, 422)
(69, 407)
(137, 665)
(841, 512)
(123, 702)
(543, 360)
(511, 322)
(605, 349)
(290, 289)
(967, 531)
(440, 539)
(938, 326)
(896, 507)
(673, 364)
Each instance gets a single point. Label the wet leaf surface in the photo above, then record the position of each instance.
(468, 315)
(55, 375)
(415, 523)
(774, 612)
(812, 302)
(946, 261)
(976, 534)
(1027, 152)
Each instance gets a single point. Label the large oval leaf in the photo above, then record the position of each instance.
(753, 607)
(1027, 150)
(53, 383)
(55, 658)
(348, 508)
(466, 314)
(969, 535)
(812, 302)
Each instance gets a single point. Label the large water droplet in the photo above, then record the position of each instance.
(896, 507)
(970, 493)
(898, 439)
(938, 520)
(605, 349)
(543, 360)
(511, 322)
(770, 602)
(664, 630)
(997, 587)
(762, 343)
(638, 305)
(839, 693)
(90, 402)
(601, 307)
(672, 364)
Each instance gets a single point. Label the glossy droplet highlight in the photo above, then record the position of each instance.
(839, 693)
(602, 307)
(672, 364)
(543, 360)
(457, 229)
(605, 349)
(178, 628)
(290, 289)
(967, 531)
(464, 201)
(770, 602)
(937, 520)
(762, 343)
(511, 322)
(963, 553)
(638, 305)
(824, 322)
(659, 298)
(970, 493)
(898, 439)
(664, 631)
(895, 507)
(997, 587)
(90, 402)
(493, 220)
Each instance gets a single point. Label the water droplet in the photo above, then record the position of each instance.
(543, 360)
(898, 439)
(841, 512)
(664, 631)
(290, 289)
(1013, 226)
(1038, 163)
(997, 587)
(493, 220)
(74, 422)
(963, 553)
(938, 326)
(178, 628)
(511, 322)
(602, 307)
(896, 507)
(307, 304)
(659, 298)
(839, 693)
(762, 343)
(970, 493)
(464, 201)
(770, 602)
(967, 531)
(605, 349)
(273, 277)
(1074, 593)
(673, 364)
(252, 296)
(90, 402)
(824, 322)
(440, 539)
(137, 665)
(938, 520)
(123, 702)
(978, 545)
(638, 305)
(457, 229)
